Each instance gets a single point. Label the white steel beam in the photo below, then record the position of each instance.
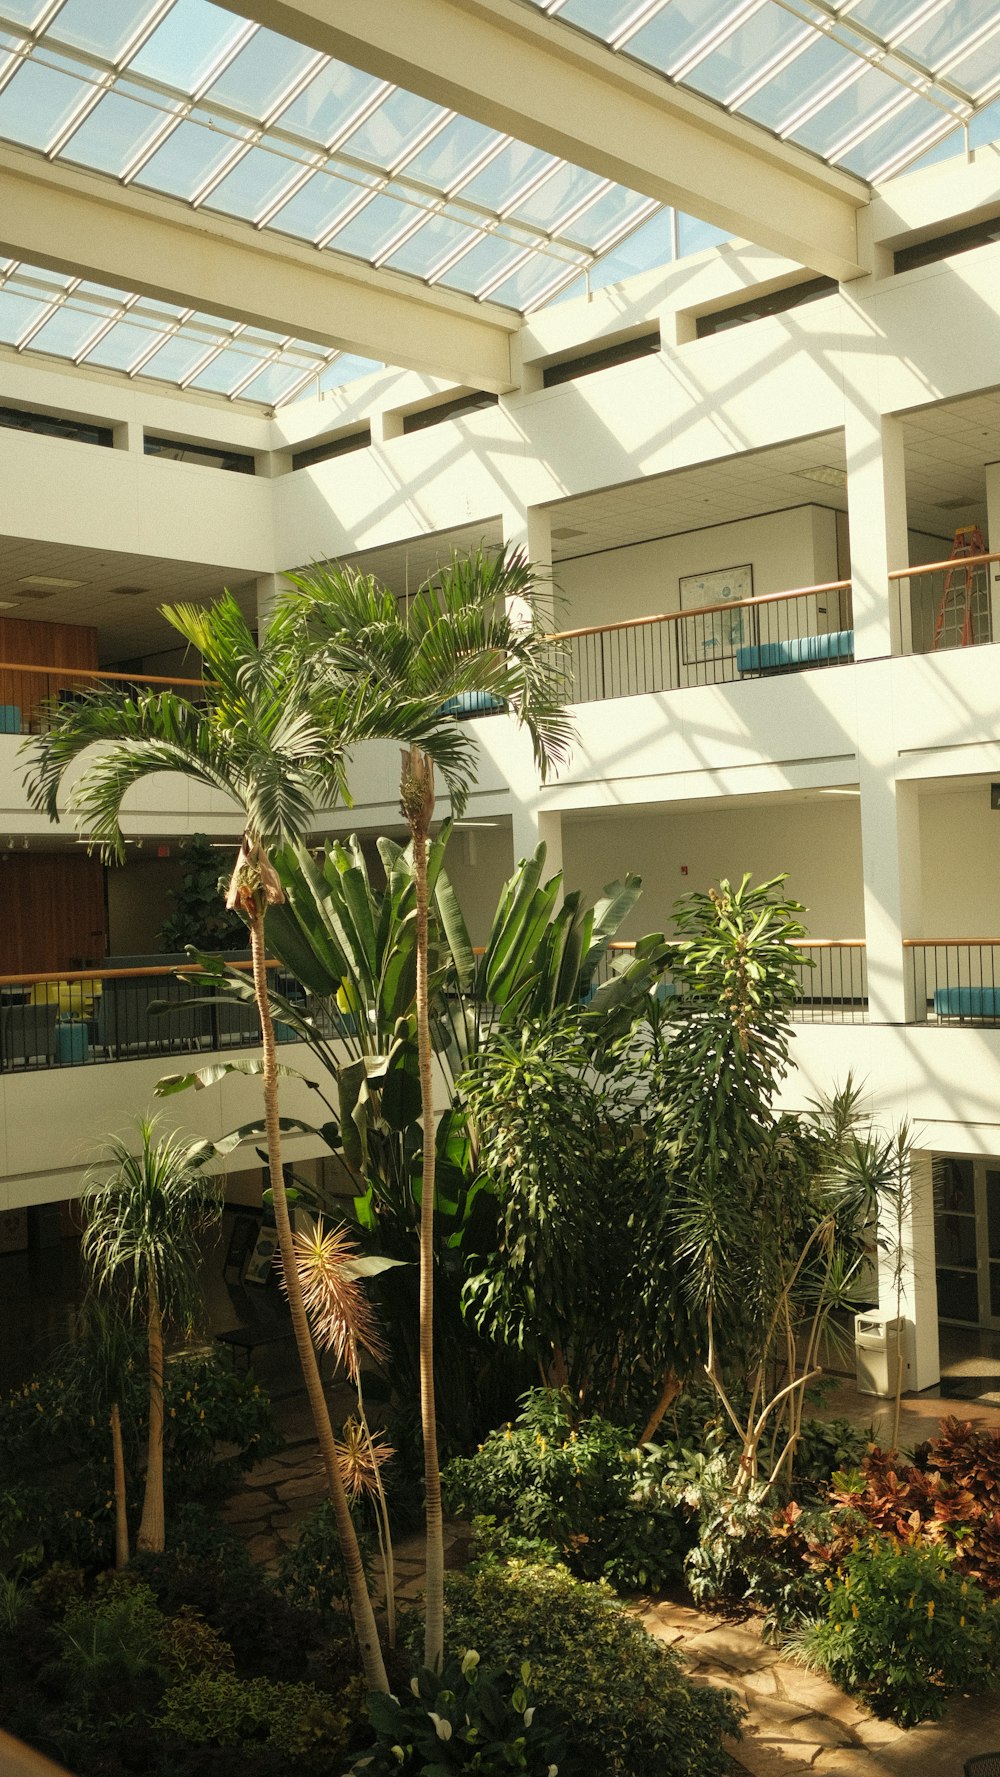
(56, 216)
(506, 65)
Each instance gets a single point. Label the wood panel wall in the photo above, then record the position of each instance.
(51, 911)
(27, 643)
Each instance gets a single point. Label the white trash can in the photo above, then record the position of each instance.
(876, 1351)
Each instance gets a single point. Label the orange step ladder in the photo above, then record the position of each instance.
(966, 592)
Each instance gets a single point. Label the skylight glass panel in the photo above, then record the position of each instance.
(371, 230)
(395, 126)
(188, 44)
(451, 153)
(857, 103)
(121, 346)
(755, 43)
(694, 236)
(188, 158)
(273, 383)
(177, 357)
(223, 374)
(603, 18)
(25, 12)
(260, 75)
(979, 71)
(892, 137)
(943, 33)
(672, 34)
(17, 314)
(37, 104)
(511, 170)
(105, 28)
(346, 368)
(557, 196)
(114, 134)
(326, 106)
(801, 82)
(312, 211)
(254, 184)
(67, 330)
(433, 241)
(612, 212)
(530, 282)
(646, 247)
(483, 262)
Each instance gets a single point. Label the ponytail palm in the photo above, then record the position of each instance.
(273, 741)
(471, 636)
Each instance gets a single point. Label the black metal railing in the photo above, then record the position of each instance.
(832, 978)
(81, 1017)
(955, 980)
(754, 638)
(27, 693)
(945, 604)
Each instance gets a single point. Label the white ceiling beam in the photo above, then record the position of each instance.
(506, 65)
(72, 221)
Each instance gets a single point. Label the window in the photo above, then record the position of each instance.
(961, 240)
(602, 358)
(447, 410)
(331, 447)
(210, 456)
(56, 426)
(754, 308)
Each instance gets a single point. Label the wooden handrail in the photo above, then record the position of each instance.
(935, 567)
(764, 598)
(159, 969)
(936, 943)
(89, 672)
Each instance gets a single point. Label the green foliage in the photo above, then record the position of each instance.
(187, 1645)
(949, 1495)
(582, 1487)
(311, 1573)
(200, 915)
(905, 1630)
(109, 1649)
(465, 1718)
(206, 1403)
(627, 1707)
(293, 1720)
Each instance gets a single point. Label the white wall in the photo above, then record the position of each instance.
(960, 863)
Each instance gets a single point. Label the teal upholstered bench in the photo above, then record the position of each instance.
(776, 657)
(10, 718)
(967, 1002)
(473, 703)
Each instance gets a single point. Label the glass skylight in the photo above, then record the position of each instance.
(182, 98)
(85, 323)
(869, 85)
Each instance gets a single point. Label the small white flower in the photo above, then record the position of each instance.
(553, 1771)
(398, 1754)
(529, 1716)
(415, 1686)
(470, 1660)
(442, 1728)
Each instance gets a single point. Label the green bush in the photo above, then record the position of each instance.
(293, 1720)
(585, 1488)
(465, 1719)
(628, 1708)
(311, 1573)
(904, 1630)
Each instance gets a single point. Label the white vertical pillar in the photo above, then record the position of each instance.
(918, 1294)
(530, 527)
(890, 849)
(269, 590)
(876, 502)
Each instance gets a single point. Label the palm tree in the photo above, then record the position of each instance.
(274, 744)
(143, 1212)
(470, 638)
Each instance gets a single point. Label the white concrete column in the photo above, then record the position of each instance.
(530, 825)
(269, 588)
(129, 435)
(876, 501)
(530, 528)
(890, 849)
(917, 1299)
(993, 542)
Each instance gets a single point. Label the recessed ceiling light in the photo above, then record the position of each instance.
(967, 503)
(825, 474)
(50, 580)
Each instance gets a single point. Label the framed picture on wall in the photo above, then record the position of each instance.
(717, 635)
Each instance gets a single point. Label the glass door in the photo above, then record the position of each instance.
(991, 1257)
(956, 1240)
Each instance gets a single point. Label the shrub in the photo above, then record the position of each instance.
(949, 1495)
(627, 1706)
(585, 1488)
(293, 1720)
(311, 1573)
(904, 1630)
(465, 1719)
(205, 1404)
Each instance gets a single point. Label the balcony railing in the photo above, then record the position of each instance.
(80, 1017)
(945, 604)
(833, 980)
(955, 980)
(27, 691)
(778, 632)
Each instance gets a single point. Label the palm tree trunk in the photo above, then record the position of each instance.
(361, 1604)
(118, 1462)
(151, 1528)
(434, 1595)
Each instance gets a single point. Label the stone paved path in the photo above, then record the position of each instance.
(798, 1722)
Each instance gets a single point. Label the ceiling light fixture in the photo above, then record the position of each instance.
(50, 580)
(825, 473)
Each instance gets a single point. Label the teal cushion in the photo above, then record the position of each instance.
(769, 657)
(472, 703)
(967, 1002)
